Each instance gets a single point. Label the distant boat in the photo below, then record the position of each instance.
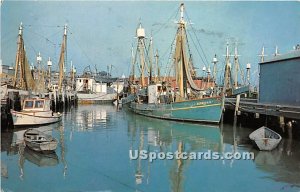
(39, 141)
(265, 138)
(91, 92)
(35, 111)
(186, 101)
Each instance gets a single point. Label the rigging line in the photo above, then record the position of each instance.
(168, 66)
(243, 78)
(148, 59)
(76, 41)
(171, 64)
(164, 24)
(198, 51)
(58, 32)
(167, 50)
(41, 36)
(193, 29)
(200, 46)
(44, 25)
(133, 64)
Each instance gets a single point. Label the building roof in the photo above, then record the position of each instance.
(291, 55)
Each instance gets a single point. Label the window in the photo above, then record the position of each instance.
(39, 104)
(28, 104)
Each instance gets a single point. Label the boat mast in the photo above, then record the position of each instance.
(262, 55)
(133, 66)
(215, 61)
(62, 60)
(248, 67)
(140, 32)
(227, 83)
(150, 59)
(157, 67)
(49, 64)
(179, 54)
(236, 66)
(23, 78)
(276, 51)
(183, 66)
(18, 66)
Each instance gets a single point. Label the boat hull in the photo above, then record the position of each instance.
(206, 110)
(21, 118)
(265, 138)
(96, 98)
(42, 147)
(39, 141)
(41, 159)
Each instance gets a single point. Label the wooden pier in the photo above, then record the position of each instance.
(252, 106)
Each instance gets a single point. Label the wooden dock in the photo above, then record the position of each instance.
(252, 106)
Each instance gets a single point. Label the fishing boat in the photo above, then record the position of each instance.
(35, 111)
(39, 141)
(89, 91)
(265, 138)
(186, 101)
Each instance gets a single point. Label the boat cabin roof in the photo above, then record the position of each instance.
(36, 104)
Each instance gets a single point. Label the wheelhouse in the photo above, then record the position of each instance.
(36, 105)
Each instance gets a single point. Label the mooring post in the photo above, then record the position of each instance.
(237, 104)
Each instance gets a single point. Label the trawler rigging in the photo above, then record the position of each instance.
(62, 60)
(161, 100)
(23, 78)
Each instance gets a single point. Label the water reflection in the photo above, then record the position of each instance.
(90, 116)
(154, 135)
(167, 136)
(12, 142)
(62, 149)
(283, 162)
(41, 159)
(92, 155)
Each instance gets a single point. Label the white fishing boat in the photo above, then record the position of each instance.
(91, 92)
(39, 141)
(265, 138)
(35, 112)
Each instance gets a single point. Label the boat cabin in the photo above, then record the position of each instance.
(36, 105)
(89, 85)
(35, 136)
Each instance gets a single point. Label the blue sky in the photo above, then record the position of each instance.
(101, 33)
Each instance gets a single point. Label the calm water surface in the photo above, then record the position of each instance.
(93, 155)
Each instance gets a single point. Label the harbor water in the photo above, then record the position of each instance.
(94, 155)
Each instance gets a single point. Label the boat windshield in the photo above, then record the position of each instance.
(39, 104)
(28, 104)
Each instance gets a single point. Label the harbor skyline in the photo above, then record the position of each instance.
(102, 33)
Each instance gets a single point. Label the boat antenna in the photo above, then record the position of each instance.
(262, 55)
(276, 51)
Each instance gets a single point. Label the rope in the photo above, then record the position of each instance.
(197, 40)
(84, 53)
(175, 13)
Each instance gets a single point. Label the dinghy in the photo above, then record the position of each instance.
(39, 141)
(265, 138)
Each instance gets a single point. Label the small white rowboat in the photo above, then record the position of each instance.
(39, 141)
(265, 138)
